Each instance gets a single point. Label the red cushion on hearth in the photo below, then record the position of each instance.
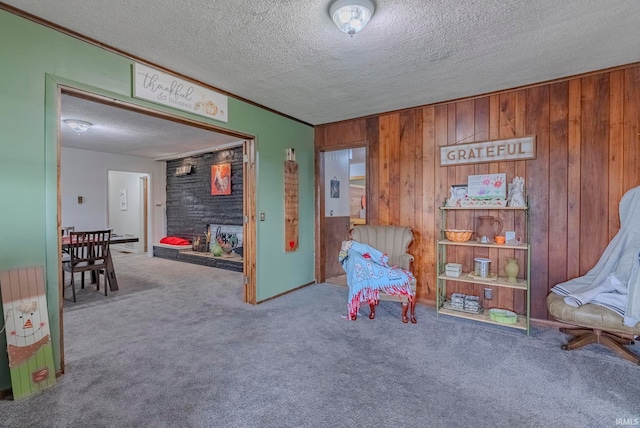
(174, 240)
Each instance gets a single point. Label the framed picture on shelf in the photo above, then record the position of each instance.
(487, 186)
(458, 193)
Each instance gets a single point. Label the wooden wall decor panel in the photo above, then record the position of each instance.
(588, 155)
(291, 206)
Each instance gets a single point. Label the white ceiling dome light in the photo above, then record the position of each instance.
(78, 126)
(351, 16)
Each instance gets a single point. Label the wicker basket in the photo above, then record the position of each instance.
(457, 235)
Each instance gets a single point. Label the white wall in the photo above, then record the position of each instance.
(336, 166)
(85, 173)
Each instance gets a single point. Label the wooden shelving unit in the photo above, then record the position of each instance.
(522, 284)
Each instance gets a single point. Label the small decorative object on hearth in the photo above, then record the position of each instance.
(227, 248)
(217, 250)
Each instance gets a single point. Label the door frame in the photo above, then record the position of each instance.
(249, 179)
(320, 223)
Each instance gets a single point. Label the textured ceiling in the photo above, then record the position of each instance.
(289, 56)
(125, 132)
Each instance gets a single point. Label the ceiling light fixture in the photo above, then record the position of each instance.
(351, 16)
(79, 126)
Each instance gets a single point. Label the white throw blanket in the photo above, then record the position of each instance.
(614, 282)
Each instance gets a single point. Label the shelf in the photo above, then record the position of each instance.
(486, 207)
(479, 244)
(523, 285)
(484, 317)
(498, 282)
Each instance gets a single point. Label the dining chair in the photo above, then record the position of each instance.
(64, 231)
(88, 252)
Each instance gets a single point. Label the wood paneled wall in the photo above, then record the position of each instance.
(588, 154)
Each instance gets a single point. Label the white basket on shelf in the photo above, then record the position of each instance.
(453, 269)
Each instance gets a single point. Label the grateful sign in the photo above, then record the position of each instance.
(488, 151)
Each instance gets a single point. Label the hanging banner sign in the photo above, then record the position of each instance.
(162, 88)
(488, 151)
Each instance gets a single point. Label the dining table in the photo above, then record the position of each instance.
(110, 272)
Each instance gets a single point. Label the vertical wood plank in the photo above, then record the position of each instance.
(631, 127)
(384, 214)
(373, 171)
(594, 192)
(408, 149)
(573, 178)
(616, 150)
(504, 298)
(431, 203)
(465, 133)
(537, 122)
(558, 172)
(418, 246)
(394, 169)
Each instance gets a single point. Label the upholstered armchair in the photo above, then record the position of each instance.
(394, 242)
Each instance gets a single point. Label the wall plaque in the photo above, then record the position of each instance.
(291, 210)
(488, 151)
(162, 88)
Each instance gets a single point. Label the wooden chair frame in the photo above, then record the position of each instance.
(89, 252)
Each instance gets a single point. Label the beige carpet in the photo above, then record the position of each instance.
(338, 280)
(177, 347)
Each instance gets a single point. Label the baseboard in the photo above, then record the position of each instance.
(286, 292)
(550, 323)
(4, 393)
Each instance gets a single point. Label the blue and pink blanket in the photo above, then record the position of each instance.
(368, 273)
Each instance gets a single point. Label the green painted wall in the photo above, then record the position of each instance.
(34, 60)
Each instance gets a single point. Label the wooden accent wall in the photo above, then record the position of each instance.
(588, 156)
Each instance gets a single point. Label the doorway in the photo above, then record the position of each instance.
(127, 204)
(343, 196)
(137, 141)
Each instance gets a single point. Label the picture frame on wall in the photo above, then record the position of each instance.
(123, 200)
(221, 179)
(335, 188)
